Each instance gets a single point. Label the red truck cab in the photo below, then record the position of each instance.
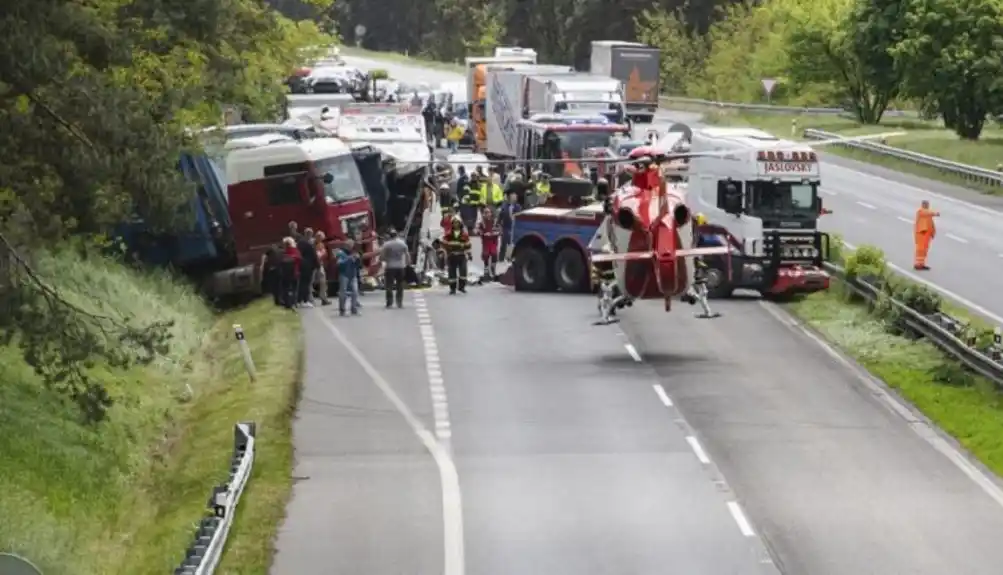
(273, 180)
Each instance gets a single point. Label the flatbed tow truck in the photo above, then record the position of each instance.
(763, 201)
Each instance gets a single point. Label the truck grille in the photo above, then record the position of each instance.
(354, 226)
(796, 248)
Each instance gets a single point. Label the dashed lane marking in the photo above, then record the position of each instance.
(452, 507)
(632, 351)
(958, 239)
(866, 205)
(664, 397)
(743, 524)
(905, 220)
(698, 449)
(436, 384)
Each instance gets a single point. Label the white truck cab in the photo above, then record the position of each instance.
(509, 51)
(754, 184)
(397, 130)
(577, 93)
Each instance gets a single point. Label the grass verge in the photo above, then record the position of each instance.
(922, 137)
(121, 498)
(964, 405)
(403, 59)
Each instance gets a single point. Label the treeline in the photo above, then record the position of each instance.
(96, 102)
(560, 30)
(943, 57)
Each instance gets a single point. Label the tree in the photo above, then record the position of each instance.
(951, 56)
(683, 50)
(844, 43)
(97, 100)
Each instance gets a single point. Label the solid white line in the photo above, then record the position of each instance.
(866, 205)
(901, 219)
(452, 507)
(739, 515)
(899, 407)
(946, 292)
(698, 449)
(632, 351)
(660, 392)
(957, 238)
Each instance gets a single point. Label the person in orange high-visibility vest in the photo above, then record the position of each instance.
(924, 231)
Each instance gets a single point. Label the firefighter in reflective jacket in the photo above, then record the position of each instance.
(457, 245)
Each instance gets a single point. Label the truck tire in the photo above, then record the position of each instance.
(529, 271)
(571, 272)
(646, 119)
(718, 286)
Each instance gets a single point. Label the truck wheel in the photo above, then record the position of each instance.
(718, 286)
(646, 119)
(570, 271)
(530, 271)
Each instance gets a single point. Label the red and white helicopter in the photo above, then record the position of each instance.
(648, 237)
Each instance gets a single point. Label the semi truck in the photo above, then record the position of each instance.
(638, 66)
(578, 93)
(477, 73)
(762, 199)
(240, 209)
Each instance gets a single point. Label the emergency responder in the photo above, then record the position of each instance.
(506, 220)
(458, 253)
(703, 238)
(923, 232)
(541, 186)
(428, 114)
(602, 190)
(494, 193)
(490, 232)
(473, 200)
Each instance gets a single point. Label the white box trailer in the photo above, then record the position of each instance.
(507, 104)
(578, 93)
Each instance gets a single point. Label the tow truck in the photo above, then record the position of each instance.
(551, 241)
(763, 201)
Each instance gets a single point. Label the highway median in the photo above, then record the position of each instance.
(967, 406)
(120, 496)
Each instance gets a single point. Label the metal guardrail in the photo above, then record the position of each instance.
(955, 337)
(204, 554)
(974, 173)
(773, 109)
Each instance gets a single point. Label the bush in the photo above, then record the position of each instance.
(867, 263)
(954, 374)
(837, 249)
(918, 298)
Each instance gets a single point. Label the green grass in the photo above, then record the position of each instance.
(924, 137)
(121, 498)
(403, 59)
(972, 414)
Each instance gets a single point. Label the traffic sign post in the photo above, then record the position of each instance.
(768, 85)
(360, 31)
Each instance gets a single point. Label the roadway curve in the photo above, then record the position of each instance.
(570, 460)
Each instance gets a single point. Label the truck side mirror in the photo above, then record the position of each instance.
(328, 179)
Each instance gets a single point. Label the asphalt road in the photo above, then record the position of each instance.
(876, 206)
(503, 428)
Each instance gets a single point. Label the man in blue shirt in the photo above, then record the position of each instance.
(349, 265)
(506, 217)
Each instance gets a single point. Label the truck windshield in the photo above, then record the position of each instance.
(573, 144)
(346, 184)
(783, 200)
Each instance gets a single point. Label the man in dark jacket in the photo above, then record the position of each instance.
(506, 218)
(308, 266)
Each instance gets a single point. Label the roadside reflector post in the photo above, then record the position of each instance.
(245, 350)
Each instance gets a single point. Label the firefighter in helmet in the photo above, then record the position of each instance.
(458, 253)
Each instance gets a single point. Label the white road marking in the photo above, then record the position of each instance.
(901, 219)
(923, 193)
(866, 205)
(739, 515)
(946, 292)
(660, 392)
(828, 192)
(878, 389)
(452, 507)
(698, 449)
(632, 351)
(957, 238)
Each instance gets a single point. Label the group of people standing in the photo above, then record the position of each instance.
(293, 270)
